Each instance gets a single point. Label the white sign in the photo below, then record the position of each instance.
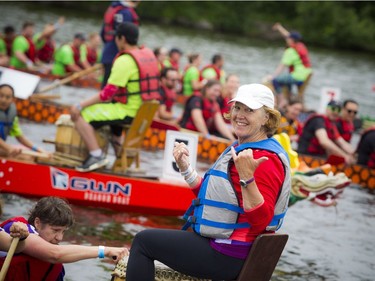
(327, 95)
(170, 168)
(24, 84)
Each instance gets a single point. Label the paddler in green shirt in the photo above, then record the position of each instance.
(190, 80)
(214, 70)
(67, 57)
(4, 59)
(23, 48)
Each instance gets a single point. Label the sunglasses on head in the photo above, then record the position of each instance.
(334, 108)
(351, 111)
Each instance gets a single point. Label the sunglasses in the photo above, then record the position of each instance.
(334, 108)
(351, 111)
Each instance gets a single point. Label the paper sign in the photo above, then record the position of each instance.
(327, 95)
(170, 168)
(24, 84)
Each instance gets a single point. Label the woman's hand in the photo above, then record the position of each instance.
(19, 229)
(116, 253)
(181, 155)
(245, 163)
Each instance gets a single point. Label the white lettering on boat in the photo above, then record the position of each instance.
(109, 192)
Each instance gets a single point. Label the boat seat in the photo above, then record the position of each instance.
(259, 264)
(263, 257)
(134, 135)
(300, 90)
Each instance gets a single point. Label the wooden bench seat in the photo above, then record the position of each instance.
(134, 135)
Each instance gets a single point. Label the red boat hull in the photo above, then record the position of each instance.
(95, 189)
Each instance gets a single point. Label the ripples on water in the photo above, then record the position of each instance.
(251, 59)
(335, 243)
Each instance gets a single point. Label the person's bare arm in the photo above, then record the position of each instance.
(277, 26)
(347, 147)
(198, 120)
(164, 114)
(8, 150)
(38, 248)
(331, 147)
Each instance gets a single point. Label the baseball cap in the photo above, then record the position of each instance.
(334, 103)
(255, 96)
(295, 35)
(80, 36)
(175, 50)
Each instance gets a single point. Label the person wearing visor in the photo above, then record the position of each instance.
(320, 136)
(250, 182)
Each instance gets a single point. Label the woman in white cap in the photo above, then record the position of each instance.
(244, 194)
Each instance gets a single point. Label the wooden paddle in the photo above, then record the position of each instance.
(35, 153)
(70, 78)
(9, 257)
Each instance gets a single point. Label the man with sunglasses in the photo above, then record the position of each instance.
(345, 123)
(320, 136)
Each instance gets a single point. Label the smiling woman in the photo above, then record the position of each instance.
(244, 194)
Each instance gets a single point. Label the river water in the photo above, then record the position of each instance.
(334, 243)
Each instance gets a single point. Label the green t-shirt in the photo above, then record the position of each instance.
(292, 58)
(39, 43)
(191, 74)
(3, 47)
(15, 131)
(210, 73)
(20, 44)
(83, 54)
(124, 69)
(63, 57)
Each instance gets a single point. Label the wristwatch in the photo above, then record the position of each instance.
(245, 183)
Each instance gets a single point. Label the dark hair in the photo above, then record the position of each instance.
(53, 211)
(209, 84)
(9, 86)
(27, 24)
(130, 31)
(216, 58)
(193, 57)
(165, 70)
(9, 29)
(349, 101)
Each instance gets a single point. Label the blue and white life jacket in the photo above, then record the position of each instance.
(6, 121)
(216, 209)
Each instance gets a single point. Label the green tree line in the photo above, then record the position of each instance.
(341, 25)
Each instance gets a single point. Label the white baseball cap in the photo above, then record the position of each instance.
(255, 96)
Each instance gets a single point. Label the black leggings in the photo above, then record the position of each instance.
(183, 251)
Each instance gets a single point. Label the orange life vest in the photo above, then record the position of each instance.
(303, 54)
(168, 96)
(31, 52)
(315, 147)
(217, 70)
(208, 112)
(149, 76)
(45, 54)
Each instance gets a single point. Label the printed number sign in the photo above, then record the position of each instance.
(170, 168)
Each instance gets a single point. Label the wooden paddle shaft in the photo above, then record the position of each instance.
(34, 153)
(70, 78)
(10, 254)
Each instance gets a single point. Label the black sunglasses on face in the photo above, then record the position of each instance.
(352, 111)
